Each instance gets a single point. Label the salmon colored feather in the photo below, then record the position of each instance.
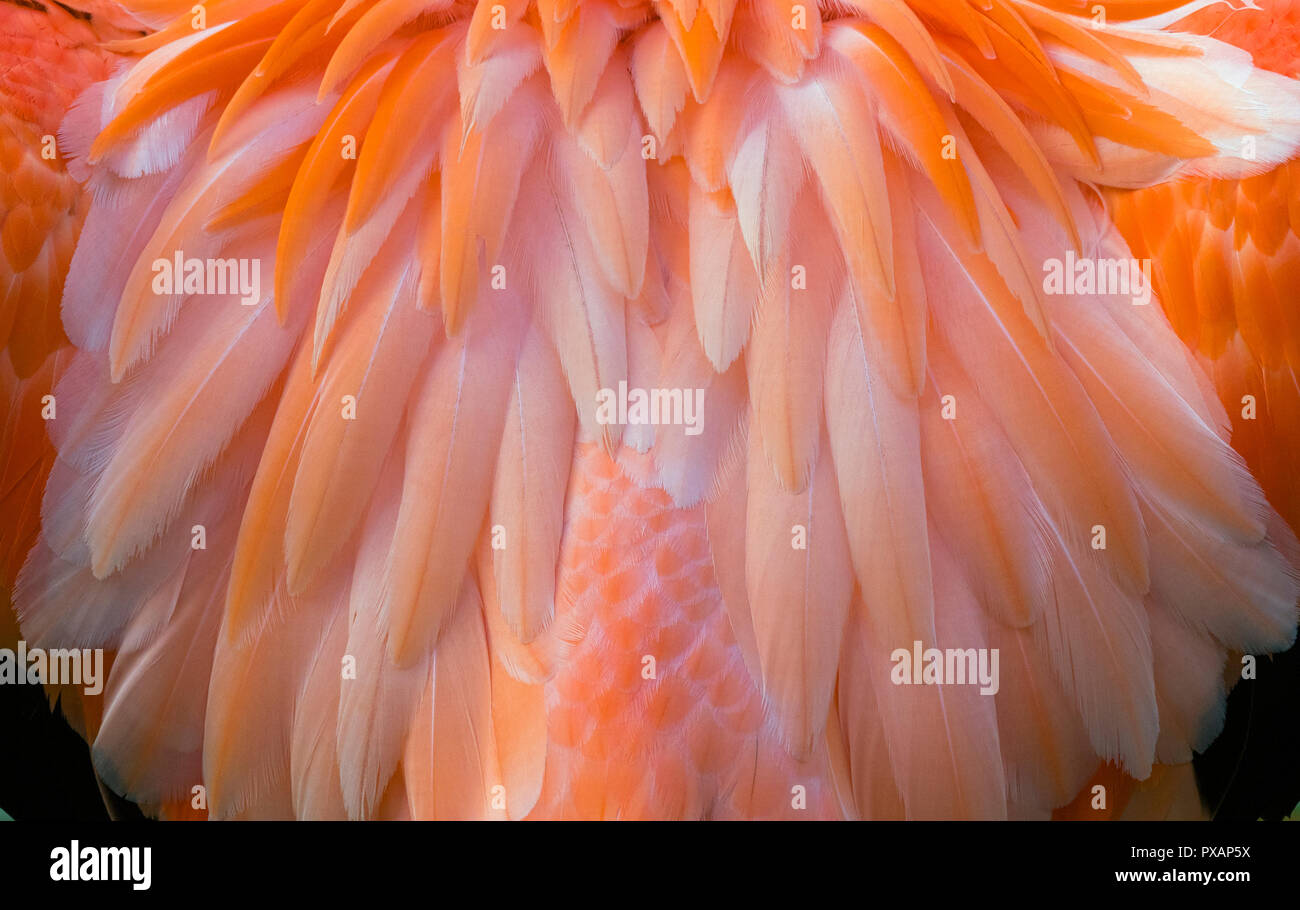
(607, 397)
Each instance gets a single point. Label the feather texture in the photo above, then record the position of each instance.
(375, 546)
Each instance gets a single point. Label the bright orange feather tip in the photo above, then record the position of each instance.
(1228, 258)
(445, 576)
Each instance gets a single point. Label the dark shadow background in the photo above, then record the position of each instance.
(1253, 769)
(45, 770)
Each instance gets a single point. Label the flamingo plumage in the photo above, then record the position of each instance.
(436, 582)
